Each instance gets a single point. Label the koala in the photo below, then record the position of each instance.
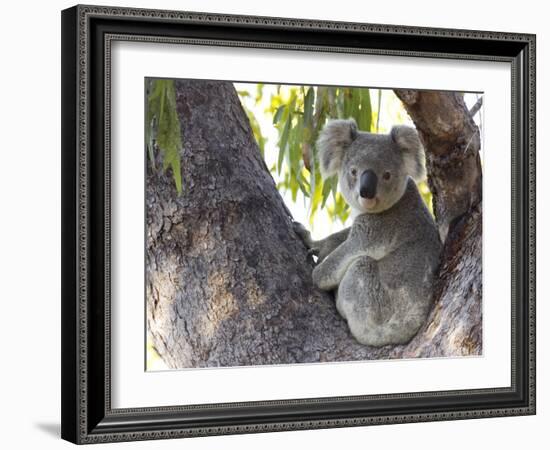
(382, 268)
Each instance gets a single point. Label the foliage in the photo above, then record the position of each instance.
(299, 113)
(298, 119)
(254, 124)
(162, 130)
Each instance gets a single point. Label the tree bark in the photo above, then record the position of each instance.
(228, 283)
(452, 143)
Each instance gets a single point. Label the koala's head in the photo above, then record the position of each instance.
(372, 168)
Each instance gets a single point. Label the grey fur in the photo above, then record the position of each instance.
(323, 247)
(407, 139)
(333, 140)
(383, 267)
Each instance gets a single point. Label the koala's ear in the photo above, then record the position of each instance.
(413, 152)
(334, 139)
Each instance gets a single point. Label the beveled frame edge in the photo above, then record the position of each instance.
(76, 219)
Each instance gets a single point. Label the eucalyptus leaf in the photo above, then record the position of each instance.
(278, 114)
(163, 127)
(308, 105)
(365, 116)
(284, 141)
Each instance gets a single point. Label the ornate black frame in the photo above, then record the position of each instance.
(87, 416)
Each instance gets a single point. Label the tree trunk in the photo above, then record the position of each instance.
(228, 283)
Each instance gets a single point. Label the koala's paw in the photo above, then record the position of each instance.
(321, 255)
(305, 236)
(303, 233)
(316, 277)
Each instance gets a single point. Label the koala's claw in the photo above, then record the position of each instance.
(310, 255)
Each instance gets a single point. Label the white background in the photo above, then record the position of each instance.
(30, 226)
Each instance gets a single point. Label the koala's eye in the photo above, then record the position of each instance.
(386, 175)
(353, 172)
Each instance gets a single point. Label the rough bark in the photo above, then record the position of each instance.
(228, 282)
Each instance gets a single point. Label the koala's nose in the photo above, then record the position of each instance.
(367, 184)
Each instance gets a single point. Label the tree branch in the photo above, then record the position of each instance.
(451, 140)
(477, 106)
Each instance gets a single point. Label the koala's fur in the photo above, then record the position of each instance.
(382, 268)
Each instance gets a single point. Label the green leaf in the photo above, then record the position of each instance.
(334, 188)
(331, 102)
(365, 115)
(256, 130)
(294, 150)
(278, 114)
(316, 198)
(162, 101)
(355, 104)
(283, 142)
(348, 99)
(164, 126)
(308, 106)
(172, 160)
(340, 103)
(378, 113)
(327, 189)
(341, 208)
(303, 189)
(259, 93)
(149, 130)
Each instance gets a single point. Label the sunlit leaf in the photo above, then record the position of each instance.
(295, 147)
(308, 106)
(331, 102)
(283, 142)
(259, 92)
(256, 131)
(348, 97)
(316, 199)
(364, 121)
(303, 184)
(328, 187)
(278, 114)
(340, 103)
(378, 113)
(293, 187)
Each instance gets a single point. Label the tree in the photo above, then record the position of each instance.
(229, 283)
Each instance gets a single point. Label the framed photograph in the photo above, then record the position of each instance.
(279, 224)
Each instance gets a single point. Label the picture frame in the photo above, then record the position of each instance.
(87, 365)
